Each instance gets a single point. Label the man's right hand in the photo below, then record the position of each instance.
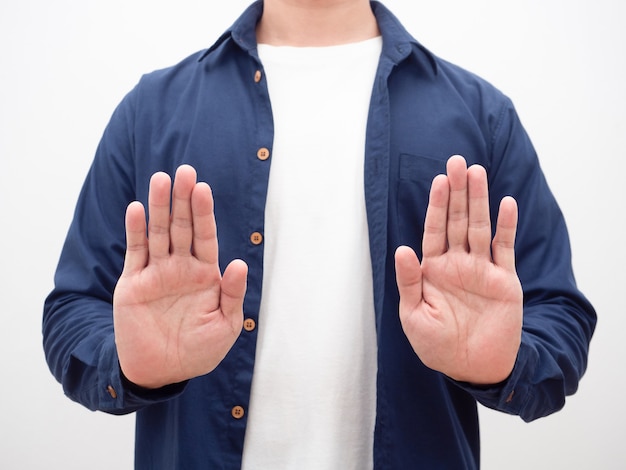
(175, 316)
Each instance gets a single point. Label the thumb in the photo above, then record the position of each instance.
(408, 278)
(233, 288)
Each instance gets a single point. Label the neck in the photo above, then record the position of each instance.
(303, 23)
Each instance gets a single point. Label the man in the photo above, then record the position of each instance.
(353, 313)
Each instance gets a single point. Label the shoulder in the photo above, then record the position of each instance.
(476, 91)
(164, 80)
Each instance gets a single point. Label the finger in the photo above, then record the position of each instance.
(457, 207)
(181, 223)
(234, 290)
(479, 224)
(205, 246)
(435, 241)
(159, 212)
(409, 279)
(503, 245)
(136, 240)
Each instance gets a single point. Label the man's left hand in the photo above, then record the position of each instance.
(461, 307)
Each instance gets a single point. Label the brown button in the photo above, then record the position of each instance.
(257, 76)
(256, 238)
(249, 324)
(237, 412)
(263, 154)
(112, 392)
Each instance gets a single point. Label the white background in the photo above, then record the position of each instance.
(64, 66)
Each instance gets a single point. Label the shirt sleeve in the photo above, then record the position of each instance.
(558, 319)
(78, 333)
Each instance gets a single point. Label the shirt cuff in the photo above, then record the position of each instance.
(511, 395)
(117, 394)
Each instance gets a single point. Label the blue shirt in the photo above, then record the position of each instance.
(213, 111)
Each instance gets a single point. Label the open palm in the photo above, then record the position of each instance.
(175, 315)
(461, 307)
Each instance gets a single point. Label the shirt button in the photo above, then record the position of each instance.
(237, 412)
(263, 154)
(257, 76)
(256, 238)
(249, 324)
(112, 392)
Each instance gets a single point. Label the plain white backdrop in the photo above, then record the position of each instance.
(64, 66)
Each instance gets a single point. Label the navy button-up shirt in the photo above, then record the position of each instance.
(213, 111)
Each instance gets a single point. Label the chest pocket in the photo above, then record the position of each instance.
(415, 177)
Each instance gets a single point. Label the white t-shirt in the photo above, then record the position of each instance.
(313, 401)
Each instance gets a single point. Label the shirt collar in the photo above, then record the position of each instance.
(398, 44)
